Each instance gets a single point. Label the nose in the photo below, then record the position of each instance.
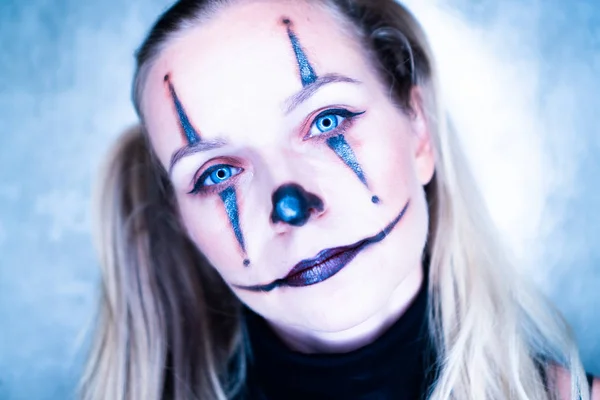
(293, 205)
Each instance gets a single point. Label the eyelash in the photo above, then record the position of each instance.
(340, 128)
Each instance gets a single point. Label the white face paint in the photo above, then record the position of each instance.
(237, 76)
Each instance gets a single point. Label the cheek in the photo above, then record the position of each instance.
(208, 226)
(386, 155)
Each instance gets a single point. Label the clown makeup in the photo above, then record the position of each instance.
(213, 175)
(293, 205)
(229, 199)
(190, 133)
(288, 133)
(326, 264)
(327, 121)
(307, 73)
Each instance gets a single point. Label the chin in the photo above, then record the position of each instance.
(340, 317)
(360, 292)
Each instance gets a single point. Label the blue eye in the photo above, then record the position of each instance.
(219, 174)
(330, 121)
(325, 123)
(215, 175)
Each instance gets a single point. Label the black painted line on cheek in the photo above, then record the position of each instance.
(362, 243)
(343, 150)
(229, 198)
(190, 133)
(307, 72)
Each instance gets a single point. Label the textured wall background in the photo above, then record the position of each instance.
(521, 78)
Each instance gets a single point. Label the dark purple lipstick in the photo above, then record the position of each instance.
(327, 263)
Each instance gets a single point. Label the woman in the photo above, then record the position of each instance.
(293, 219)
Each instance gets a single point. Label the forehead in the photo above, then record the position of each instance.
(239, 66)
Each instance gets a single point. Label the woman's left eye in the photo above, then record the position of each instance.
(215, 175)
(325, 123)
(329, 121)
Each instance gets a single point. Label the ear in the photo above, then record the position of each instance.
(422, 144)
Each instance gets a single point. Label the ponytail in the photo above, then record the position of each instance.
(167, 323)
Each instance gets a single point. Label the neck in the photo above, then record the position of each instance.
(308, 341)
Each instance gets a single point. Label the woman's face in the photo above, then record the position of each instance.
(294, 173)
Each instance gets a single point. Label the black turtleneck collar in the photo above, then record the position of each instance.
(398, 365)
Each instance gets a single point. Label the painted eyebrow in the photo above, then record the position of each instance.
(308, 91)
(193, 148)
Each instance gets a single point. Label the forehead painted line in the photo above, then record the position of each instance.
(244, 80)
(190, 132)
(307, 72)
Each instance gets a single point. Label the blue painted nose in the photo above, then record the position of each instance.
(293, 205)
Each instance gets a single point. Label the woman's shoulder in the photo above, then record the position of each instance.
(562, 377)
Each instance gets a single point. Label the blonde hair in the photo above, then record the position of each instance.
(169, 328)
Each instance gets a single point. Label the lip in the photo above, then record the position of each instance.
(327, 263)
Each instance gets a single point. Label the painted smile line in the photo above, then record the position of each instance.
(327, 263)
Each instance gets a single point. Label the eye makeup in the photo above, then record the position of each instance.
(217, 173)
(307, 72)
(229, 198)
(309, 77)
(328, 127)
(331, 121)
(190, 132)
(212, 181)
(343, 150)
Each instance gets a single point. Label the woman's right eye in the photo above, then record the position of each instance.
(215, 175)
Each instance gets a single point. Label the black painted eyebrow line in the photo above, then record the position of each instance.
(308, 91)
(193, 148)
